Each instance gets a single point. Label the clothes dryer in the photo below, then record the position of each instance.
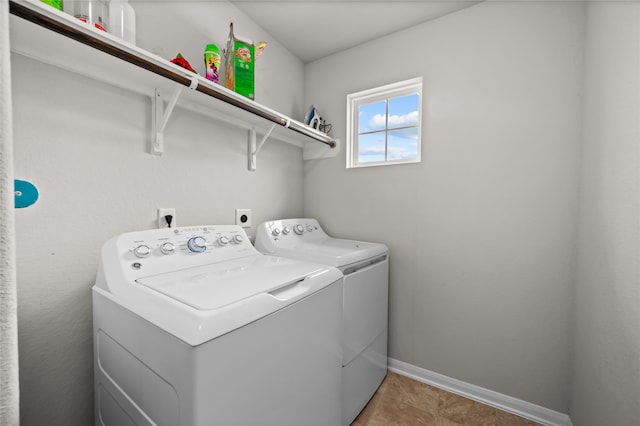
(365, 303)
(194, 327)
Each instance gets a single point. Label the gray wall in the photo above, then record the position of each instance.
(487, 263)
(606, 385)
(84, 144)
(482, 231)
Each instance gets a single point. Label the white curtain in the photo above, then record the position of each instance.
(9, 390)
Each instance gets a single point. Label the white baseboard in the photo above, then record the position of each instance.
(503, 402)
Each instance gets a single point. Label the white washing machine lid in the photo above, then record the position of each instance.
(222, 284)
(202, 303)
(200, 292)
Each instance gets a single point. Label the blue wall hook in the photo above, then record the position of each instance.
(25, 193)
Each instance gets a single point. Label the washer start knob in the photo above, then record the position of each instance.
(197, 244)
(142, 250)
(298, 229)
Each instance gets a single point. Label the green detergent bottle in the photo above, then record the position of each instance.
(53, 3)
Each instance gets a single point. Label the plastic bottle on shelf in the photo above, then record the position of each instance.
(212, 62)
(92, 12)
(54, 3)
(122, 20)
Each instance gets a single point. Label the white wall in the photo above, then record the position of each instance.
(84, 144)
(606, 384)
(482, 231)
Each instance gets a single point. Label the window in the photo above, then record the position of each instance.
(383, 125)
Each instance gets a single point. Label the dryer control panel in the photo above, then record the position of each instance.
(290, 232)
(304, 239)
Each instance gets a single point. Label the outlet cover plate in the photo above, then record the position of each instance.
(162, 222)
(243, 217)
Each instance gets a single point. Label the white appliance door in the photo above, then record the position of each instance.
(283, 370)
(366, 299)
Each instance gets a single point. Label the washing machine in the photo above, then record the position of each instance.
(194, 327)
(365, 266)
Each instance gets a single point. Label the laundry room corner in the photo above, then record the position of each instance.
(481, 231)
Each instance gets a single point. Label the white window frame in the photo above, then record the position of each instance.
(389, 91)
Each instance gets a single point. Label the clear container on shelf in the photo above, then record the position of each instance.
(92, 12)
(122, 20)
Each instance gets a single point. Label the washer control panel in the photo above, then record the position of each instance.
(156, 251)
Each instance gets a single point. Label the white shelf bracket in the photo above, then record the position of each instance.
(254, 147)
(160, 118)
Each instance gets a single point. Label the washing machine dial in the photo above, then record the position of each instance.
(298, 229)
(237, 239)
(167, 248)
(223, 241)
(286, 230)
(142, 250)
(275, 232)
(309, 228)
(197, 244)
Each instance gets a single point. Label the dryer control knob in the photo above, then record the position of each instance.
(142, 250)
(223, 241)
(167, 248)
(197, 244)
(275, 232)
(298, 229)
(237, 239)
(286, 230)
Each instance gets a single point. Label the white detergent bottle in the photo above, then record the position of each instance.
(122, 19)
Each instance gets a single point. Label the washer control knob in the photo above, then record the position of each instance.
(167, 248)
(298, 229)
(142, 250)
(286, 230)
(197, 244)
(309, 228)
(237, 239)
(223, 241)
(276, 232)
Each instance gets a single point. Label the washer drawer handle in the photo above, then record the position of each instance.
(365, 264)
(289, 291)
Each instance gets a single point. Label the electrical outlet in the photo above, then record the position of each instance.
(163, 219)
(243, 217)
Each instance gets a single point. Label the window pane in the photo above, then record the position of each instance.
(403, 111)
(385, 124)
(372, 116)
(371, 147)
(403, 144)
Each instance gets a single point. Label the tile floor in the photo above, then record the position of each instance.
(401, 401)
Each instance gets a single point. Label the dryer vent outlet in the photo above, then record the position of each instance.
(243, 217)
